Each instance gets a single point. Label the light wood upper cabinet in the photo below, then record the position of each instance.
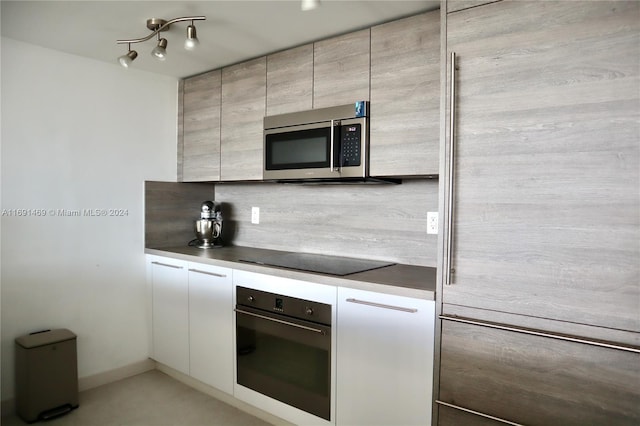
(243, 109)
(405, 96)
(341, 70)
(547, 207)
(455, 5)
(395, 65)
(290, 80)
(200, 132)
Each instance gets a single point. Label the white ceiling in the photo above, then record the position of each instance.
(234, 31)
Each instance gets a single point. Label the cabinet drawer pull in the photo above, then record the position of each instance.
(450, 185)
(167, 265)
(380, 305)
(477, 413)
(534, 332)
(208, 273)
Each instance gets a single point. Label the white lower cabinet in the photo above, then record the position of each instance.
(382, 345)
(192, 319)
(384, 357)
(211, 325)
(170, 312)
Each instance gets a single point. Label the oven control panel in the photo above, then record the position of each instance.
(285, 305)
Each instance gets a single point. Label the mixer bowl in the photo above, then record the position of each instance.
(207, 231)
(204, 232)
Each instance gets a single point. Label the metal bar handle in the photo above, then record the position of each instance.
(304, 327)
(477, 413)
(331, 159)
(452, 136)
(208, 273)
(380, 305)
(540, 333)
(167, 265)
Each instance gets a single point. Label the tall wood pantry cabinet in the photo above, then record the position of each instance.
(540, 319)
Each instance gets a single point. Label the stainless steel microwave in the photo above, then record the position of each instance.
(320, 144)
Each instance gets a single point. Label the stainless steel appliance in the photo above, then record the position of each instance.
(208, 228)
(283, 349)
(321, 144)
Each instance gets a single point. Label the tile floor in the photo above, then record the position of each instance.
(149, 399)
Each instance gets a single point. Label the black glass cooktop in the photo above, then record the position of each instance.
(324, 264)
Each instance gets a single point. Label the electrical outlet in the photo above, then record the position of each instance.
(255, 215)
(432, 222)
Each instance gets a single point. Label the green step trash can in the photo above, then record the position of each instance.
(46, 374)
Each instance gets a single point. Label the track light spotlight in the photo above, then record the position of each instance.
(192, 39)
(159, 52)
(128, 58)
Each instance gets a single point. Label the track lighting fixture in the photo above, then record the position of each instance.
(159, 52)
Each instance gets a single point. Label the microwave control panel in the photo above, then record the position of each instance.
(351, 142)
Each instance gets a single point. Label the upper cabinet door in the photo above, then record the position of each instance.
(546, 200)
(405, 96)
(243, 110)
(341, 70)
(455, 5)
(201, 128)
(290, 80)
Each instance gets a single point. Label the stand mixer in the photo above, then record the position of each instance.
(208, 228)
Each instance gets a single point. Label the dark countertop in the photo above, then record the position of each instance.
(398, 279)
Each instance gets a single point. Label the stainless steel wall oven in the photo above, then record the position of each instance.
(283, 349)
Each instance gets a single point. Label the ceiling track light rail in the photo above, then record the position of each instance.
(157, 25)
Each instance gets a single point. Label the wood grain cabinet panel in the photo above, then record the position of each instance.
(547, 207)
(290, 80)
(243, 110)
(201, 127)
(341, 69)
(448, 416)
(535, 380)
(405, 96)
(455, 5)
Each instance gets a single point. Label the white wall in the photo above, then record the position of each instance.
(79, 134)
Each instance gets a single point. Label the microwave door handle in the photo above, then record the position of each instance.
(332, 141)
(335, 145)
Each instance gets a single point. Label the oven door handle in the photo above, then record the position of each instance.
(304, 327)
